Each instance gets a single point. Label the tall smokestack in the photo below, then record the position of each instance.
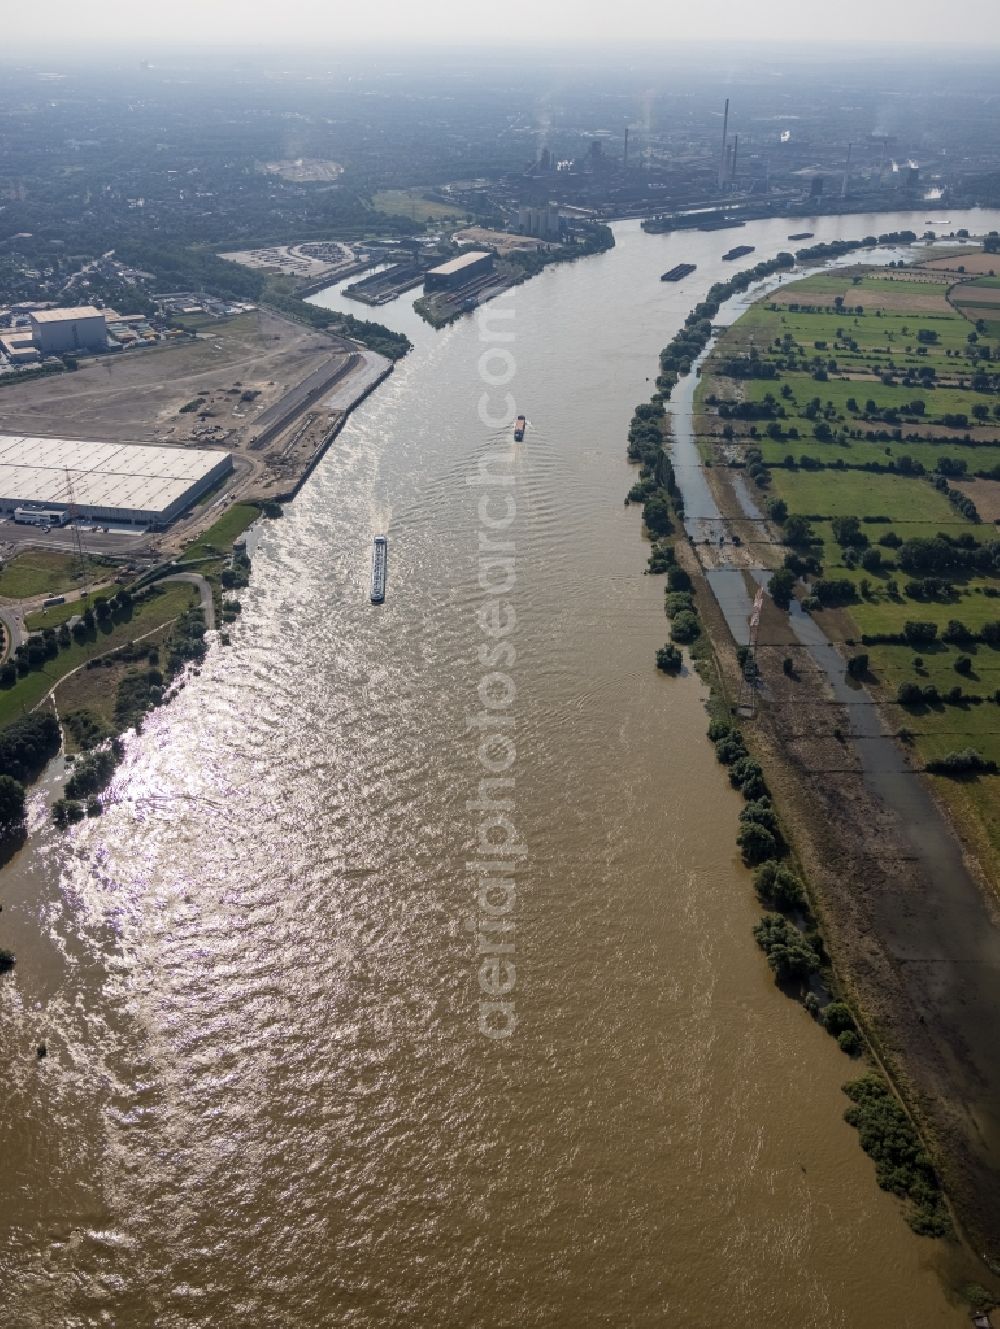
(725, 139)
(847, 172)
(625, 158)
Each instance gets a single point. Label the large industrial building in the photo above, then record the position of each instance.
(114, 483)
(63, 331)
(457, 271)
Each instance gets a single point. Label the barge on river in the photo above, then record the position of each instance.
(380, 567)
(802, 235)
(679, 272)
(739, 252)
(520, 425)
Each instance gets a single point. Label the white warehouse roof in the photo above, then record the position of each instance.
(457, 264)
(62, 315)
(114, 481)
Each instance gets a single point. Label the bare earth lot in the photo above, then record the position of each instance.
(137, 396)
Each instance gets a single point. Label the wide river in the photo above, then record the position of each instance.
(267, 1099)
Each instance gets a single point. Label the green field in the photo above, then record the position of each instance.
(38, 572)
(28, 691)
(859, 494)
(858, 452)
(413, 204)
(220, 536)
(838, 391)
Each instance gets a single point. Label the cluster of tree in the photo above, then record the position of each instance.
(661, 557)
(186, 642)
(645, 433)
(781, 586)
(902, 1165)
(748, 367)
(834, 591)
(27, 744)
(46, 645)
(669, 659)
(138, 691)
(791, 956)
(745, 774)
(955, 633)
(948, 554)
(92, 773)
(848, 533)
(835, 248)
(957, 499)
(913, 694)
(679, 354)
(685, 625)
(930, 588)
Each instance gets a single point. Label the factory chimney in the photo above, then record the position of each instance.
(725, 139)
(847, 172)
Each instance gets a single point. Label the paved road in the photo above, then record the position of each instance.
(12, 620)
(205, 590)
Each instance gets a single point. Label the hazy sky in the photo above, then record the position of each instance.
(312, 22)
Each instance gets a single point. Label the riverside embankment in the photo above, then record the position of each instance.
(266, 1096)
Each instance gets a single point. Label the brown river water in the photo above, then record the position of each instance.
(268, 1099)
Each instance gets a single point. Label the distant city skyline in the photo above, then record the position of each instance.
(308, 22)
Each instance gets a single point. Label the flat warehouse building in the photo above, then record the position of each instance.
(61, 331)
(118, 483)
(457, 271)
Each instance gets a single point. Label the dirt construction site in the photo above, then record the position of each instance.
(267, 390)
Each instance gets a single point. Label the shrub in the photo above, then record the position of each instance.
(834, 590)
(669, 659)
(762, 812)
(968, 761)
(838, 1018)
(747, 776)
(685, 627)
(901, 1164)
(11, 804)
(676, 601)
(781, 586)
(730, 748)
(678, 579)
(661, 558)
(27, 744)
(756, 843)
(918, 633)
(779, 886)
(788, 952)
(849, 1042)
(743, 769)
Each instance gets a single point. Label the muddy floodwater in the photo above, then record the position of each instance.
(267, 1098)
